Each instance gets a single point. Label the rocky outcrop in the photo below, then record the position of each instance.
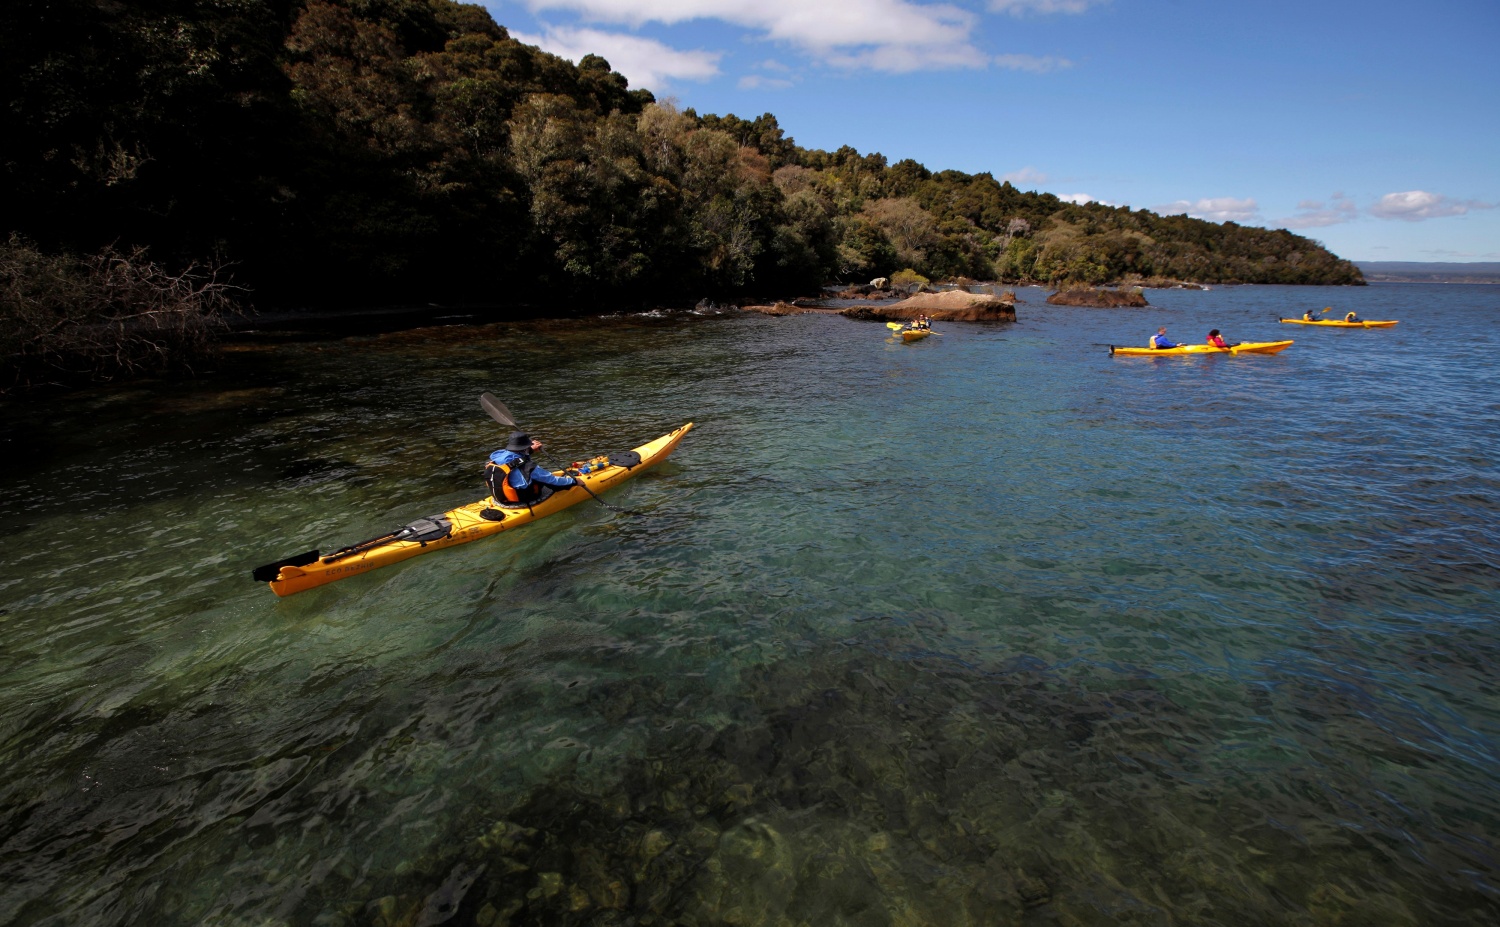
(778, 308)
(863, 291)
(1099, 299)
(953, 306)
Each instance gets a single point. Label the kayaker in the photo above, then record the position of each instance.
(1215, 340)
(1160, 339)
(515, 479)
(1352, 317)
(1307, 315)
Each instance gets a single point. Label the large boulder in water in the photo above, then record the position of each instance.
(952, 306)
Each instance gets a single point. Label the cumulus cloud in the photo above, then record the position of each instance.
(1082, 198)
(1032, 63)
(1417, 205)
(897, 36)
(1317, 214)
(644, 62)
(1022, 7)
(1026, 175)
(1217, 209)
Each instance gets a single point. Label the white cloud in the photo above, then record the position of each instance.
(1217, 209)
(1032, 63)
(761, 82)
(1026, 175)
(1080, 199)
(897, 36)
(1021, 7)
(1417, 205)
(644, 62)
(1318, 214)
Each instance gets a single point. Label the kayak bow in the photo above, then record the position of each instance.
(457, 526)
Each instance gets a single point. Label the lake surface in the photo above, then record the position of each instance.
(987, 629)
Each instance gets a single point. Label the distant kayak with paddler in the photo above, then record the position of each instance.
(1339, 323)
(1246, 347)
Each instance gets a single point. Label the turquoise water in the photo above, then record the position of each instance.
(991, 628)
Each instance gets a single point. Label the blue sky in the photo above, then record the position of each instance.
(1372, 127)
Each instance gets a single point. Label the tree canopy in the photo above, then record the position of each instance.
(383, 150)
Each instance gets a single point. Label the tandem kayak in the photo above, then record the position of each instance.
(1246, 347)
(1335, 323)
(915, 334)
(459, 526)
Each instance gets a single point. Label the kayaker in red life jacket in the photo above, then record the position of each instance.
(1215, 340)
(1160, 339)
(514, 478)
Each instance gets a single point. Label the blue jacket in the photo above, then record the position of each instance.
(1162, 341)
(517, 477)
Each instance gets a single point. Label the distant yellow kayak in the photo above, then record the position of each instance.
(915, 334)
(458, 526)
(1248, 347)
(1336, 323)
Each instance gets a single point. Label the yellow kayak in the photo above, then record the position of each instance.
(915, 334)
(1247, 347)
(459, 526)
(1336, 323)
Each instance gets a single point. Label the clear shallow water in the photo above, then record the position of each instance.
(987, 629)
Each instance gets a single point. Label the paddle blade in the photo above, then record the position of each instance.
(497, 410)
(894, 326)
(1327, 309)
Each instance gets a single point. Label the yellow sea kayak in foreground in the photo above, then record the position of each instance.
(915, 334)
(458, 526)
(1247, 347)
(1336, 323)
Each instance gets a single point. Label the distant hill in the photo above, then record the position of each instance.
(1430, 271)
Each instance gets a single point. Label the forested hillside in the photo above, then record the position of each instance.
(347, 151)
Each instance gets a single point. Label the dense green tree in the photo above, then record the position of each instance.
(358, 150)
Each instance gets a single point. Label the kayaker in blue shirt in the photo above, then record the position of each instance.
(1160, 339)
(515, 479)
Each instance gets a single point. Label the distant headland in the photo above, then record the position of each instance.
(1430, 271)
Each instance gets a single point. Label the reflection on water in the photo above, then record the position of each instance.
(987, 629)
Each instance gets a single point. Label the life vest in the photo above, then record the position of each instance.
(495, 474)
(1217, 342)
